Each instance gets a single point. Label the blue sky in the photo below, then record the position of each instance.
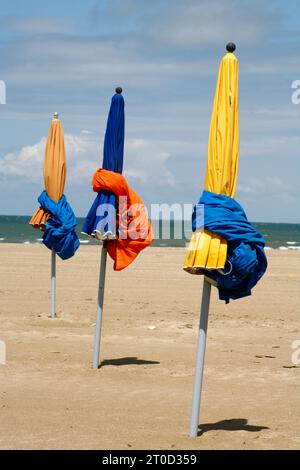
(69, 56)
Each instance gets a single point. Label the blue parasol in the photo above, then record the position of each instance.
(101, 219)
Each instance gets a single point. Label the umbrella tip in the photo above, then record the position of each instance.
(119, 90)
(56, 115)
(230, 47)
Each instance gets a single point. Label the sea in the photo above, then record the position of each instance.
(15, 229)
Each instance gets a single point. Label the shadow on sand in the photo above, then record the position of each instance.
(125, 361)
(230, 425)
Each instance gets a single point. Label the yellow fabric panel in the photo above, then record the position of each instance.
(209, 250)
(197, 253)
(222, 253)
(54, 170)
(213, 254)
(202, 244)
(206, 251)
(223, 144)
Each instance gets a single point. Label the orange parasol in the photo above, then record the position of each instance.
(54, 179)
(54, 170)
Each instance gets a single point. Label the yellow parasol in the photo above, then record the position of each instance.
(54, 170)
(206, 249)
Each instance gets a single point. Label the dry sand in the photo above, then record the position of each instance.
(50, 398)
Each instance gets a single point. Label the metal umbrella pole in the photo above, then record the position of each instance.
(200, 358)
(102, 274)
(53, 283)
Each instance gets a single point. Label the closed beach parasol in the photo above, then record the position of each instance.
(54, 170)
(224, 247)
(101, 223)
(117, 217)
(54, 216)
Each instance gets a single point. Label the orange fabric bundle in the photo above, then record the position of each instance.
(135, 230)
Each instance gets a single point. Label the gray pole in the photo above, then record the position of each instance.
(53, 283)
(100, 306)
(53, 269)
(200, 358)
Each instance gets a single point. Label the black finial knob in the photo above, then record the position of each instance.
(119, 90)
(230, 47)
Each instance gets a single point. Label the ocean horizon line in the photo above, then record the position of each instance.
(166, 220)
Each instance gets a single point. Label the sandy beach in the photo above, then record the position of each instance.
(50, 398)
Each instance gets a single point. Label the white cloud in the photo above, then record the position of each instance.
(194, 23)
(94, 60)
(271, 186)
(274, 146)
(27, 162)
(147, 57)
(145, 161)
(189, 22)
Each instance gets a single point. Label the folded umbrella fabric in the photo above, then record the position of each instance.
(96, 223)
(246, 259)
(134, 227)
(60, 228)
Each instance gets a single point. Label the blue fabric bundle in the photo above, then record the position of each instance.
(246, 256)
(99, 219)
(60, 229)
(102, 215)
